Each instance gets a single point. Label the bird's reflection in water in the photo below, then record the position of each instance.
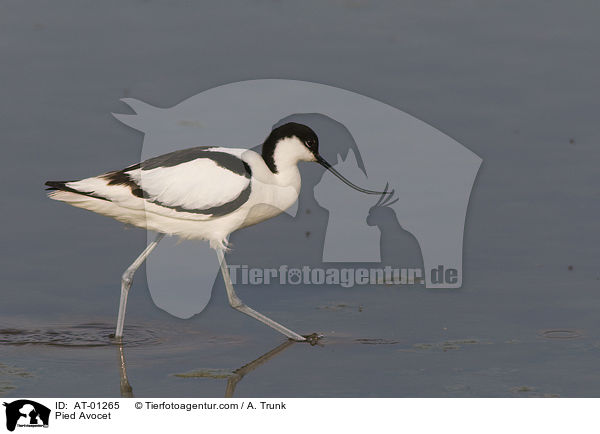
(237, 375)
(126, 390)
(233, 377)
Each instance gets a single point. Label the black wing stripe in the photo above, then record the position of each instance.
(60, 185)
(121, 177)
(222, 159)
(215, 211)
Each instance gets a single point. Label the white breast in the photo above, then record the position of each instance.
(271, 193)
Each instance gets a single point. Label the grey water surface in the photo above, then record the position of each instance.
(515, 82)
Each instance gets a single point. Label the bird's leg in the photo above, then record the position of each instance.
(127, 280)
(237, 304)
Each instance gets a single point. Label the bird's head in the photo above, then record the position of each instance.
(293, 142)
(289, 144)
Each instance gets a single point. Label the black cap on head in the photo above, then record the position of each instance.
(306, 135)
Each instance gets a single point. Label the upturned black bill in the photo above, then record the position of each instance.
(329, 167)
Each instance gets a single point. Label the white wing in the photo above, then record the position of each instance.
(196, 183)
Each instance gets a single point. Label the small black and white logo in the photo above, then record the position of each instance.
(26, 413)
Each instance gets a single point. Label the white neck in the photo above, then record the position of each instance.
(288, 153)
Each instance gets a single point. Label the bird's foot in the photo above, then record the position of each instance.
(312, 339)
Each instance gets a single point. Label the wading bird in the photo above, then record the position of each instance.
(202, 193)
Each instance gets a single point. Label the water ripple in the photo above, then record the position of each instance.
(83, 335)
(560, 334)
